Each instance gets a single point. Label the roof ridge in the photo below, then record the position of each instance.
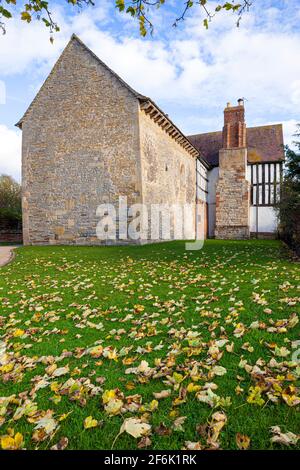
(74, 37)
(136, 93)
(139, 96)
(247, 128)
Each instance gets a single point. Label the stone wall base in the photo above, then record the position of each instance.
(232, 233)
(264, 235)
(94, 242)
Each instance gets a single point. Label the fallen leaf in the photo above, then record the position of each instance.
(163, 430)
(144, 442)
(61, 445)
(12, 442)
(135, 427)
(162, 394)
(242, 441)
(90, 422)
(286, 439)
(192, 445)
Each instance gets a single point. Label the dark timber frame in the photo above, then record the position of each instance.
(266, 179)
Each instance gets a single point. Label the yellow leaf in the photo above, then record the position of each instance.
(113, 407)
(7, 443)
(12, 443)
(255, 396)
(153, 405)
(96, 351)
(178, 377)
(191, 388)
(108, 395)
(18, 332)
(55, 386)
(139, 308)
(90, 422)
(7, 368)
(19, 440)
(25, 16)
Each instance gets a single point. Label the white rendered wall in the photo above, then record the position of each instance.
(213, 176)
(267, 220)
(248, 173)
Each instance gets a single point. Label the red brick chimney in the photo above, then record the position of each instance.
(233, 189)
(234, 130)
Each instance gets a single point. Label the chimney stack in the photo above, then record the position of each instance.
(234, 130)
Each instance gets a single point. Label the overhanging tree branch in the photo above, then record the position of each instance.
(139, 9)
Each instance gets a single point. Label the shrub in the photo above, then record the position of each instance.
(289, 205)
(10, 199)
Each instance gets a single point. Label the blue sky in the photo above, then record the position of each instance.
(191, 73)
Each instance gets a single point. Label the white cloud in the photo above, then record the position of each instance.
(10, 152)
(27, 47)
(2, 92)
(203, 69)
(190, 70)
(24, 46)
(289, 129)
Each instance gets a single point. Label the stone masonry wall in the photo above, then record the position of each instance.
(168, 170)
(80, 148)
(232, 195)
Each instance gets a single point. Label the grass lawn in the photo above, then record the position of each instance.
(95, 332)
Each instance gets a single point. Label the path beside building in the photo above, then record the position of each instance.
(6, 254)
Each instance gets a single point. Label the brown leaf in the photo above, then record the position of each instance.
(286, 439)
(144, 442)
(162, 430)
(202, 429)
(242, 441)
(217, 423)
(178, 423)
(162, 394)
(61, 445)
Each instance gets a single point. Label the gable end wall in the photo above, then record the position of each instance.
(80, 149)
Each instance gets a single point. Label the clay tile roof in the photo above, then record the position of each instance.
(265, 144)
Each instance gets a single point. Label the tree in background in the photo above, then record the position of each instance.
(27, 10)
(289, 205)
(10, 199)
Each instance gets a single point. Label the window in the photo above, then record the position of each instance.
(202, 181)
(265, 183)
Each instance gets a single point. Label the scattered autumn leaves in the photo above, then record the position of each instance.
(183, 326)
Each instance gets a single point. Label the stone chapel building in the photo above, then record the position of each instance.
(89, 138)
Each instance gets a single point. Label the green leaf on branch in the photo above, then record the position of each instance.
(120, 4)
(131, 11)
(5, 12)
(25, 16)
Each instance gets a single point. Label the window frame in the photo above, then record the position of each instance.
(200, 178)
(268, 187)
